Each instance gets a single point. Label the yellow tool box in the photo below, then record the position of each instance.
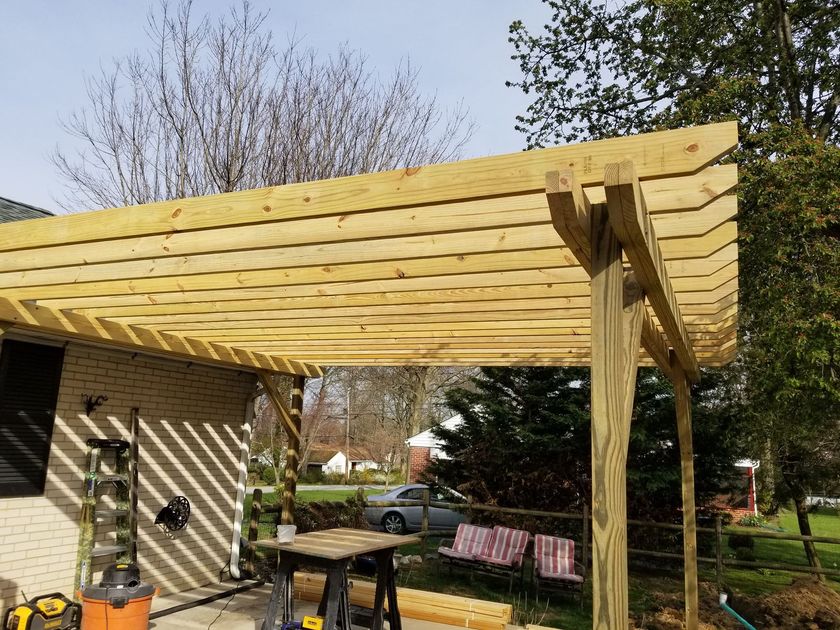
(46, 612)
(313, 623)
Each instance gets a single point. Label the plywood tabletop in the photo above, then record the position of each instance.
(339, 543)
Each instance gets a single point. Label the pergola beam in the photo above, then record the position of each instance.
(571, 214)
(633, 227)
(24, 315)
(678, 151)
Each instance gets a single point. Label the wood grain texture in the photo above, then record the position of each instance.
(27, 316)
(571, 216)
(673, 152)
(609, 492)
(287, 515)
(633, 227)
(682, 397)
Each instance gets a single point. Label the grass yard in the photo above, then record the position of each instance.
(266, 528)
(825, 522)
(649, 588)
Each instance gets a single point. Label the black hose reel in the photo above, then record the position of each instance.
(174, 517)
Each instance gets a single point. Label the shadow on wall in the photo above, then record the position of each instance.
(189, 435)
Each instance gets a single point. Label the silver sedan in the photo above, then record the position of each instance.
(401, 519)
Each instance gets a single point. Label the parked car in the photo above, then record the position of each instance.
(398, 520)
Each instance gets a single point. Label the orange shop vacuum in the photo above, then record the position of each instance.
(121, 601)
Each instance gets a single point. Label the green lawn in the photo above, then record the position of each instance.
(647, 587)
(266, 528)
(825, 522)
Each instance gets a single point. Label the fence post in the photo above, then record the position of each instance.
(719, 552)
(425, 523)
(585, 541)
(253, 529)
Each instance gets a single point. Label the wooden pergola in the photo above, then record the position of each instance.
(614, 254)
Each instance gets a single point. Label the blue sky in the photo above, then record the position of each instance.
(47, 48)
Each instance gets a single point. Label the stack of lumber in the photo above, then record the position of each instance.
(424, 605)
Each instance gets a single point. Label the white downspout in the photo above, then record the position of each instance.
(752, 483)
(244, 454)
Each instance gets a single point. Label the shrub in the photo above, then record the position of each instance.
(319, 515)
(741, 541)
(365, 477)
(745, 553)
(752, 520)
(269, 476)
(314, 475)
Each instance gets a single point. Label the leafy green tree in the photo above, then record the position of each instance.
(605, 69)
(525, 441)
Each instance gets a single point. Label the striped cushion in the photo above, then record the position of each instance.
(471, 540)
(554, 557)
(506, 547)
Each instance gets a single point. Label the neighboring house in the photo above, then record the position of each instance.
(741, 499)
(424, 447)
(190, 425)
(329, 459)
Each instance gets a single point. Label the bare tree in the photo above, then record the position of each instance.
(216, 106)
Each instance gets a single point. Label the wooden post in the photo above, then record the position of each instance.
(719, 552)
(253, 529)
(287, 516)
(682, 396)
(425, 523)
(615, 328)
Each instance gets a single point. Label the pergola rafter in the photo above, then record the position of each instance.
(481, 262)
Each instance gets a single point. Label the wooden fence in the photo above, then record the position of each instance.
(718, 531)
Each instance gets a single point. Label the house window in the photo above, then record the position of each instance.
(30, 374)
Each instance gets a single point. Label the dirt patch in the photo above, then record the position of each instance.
(804, 605)
(668, 613)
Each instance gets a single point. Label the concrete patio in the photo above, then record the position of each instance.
(245, 611)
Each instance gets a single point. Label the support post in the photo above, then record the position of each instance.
(616, 326)
(287, 516)
(253, 529)
(719, 552)
(682, 396)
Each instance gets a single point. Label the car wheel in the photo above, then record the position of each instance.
(394, 523)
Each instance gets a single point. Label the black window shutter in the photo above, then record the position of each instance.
(30, 375)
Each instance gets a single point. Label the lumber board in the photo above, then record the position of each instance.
(663, 153)
(68, 324)
(696, 269)
(682, 396)
(501, 212)
(394, 250)
(609, 362)
(633, 227)
(571, 213)
(415, 604)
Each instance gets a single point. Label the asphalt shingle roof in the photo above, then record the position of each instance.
(16, 211)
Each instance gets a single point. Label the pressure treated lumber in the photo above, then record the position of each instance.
(682, 397)
(634, 229)
(415, 604)
(287, 516)
(673, 152)
(27, 316)
(571, 215)
(613, 370)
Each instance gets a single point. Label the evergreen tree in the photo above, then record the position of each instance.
(604, 69)
(525, 441)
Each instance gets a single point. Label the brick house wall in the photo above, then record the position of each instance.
(418, 460)
(190, 429)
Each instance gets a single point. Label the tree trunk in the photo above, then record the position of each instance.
(805, 530)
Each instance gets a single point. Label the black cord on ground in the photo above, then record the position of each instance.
(227, 603)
